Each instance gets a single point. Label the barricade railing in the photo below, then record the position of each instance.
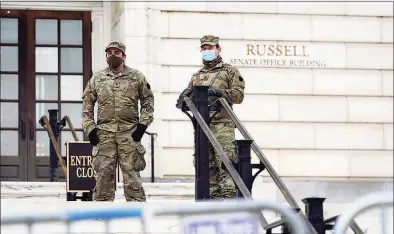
(375, 200)
(213, 209)
(191, 216)
(68, 217)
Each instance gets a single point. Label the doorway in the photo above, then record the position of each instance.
(45, 64)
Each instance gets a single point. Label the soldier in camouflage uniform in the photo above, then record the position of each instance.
(116, 136)
(224, 81)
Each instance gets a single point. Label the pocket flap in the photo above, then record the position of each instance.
(95, 151)
(141, 149)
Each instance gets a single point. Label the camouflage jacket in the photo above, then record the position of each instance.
(225, 77)
(117, 99)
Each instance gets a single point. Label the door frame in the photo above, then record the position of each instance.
(32, 160)
(22, 158)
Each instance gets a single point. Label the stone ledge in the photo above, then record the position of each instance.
(58, 189)
(33, 185)
(335, 191)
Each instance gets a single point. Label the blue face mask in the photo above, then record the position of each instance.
(208, 55)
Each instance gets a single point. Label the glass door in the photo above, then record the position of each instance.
(57, 50)
(60, 43)
(13, 126)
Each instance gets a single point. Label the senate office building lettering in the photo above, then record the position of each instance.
(279, 55)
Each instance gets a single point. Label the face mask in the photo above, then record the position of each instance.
(208, 55)
(114, 61)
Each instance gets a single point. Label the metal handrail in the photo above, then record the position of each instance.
(286, 193)
(233, 172)
(71, 126)
(260, 155)
(45, 123)
(230, 168)
(380, 199)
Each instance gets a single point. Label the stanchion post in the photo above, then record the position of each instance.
(152, 163)
(152, 150)
(244, 166)
(201, 145)
(53, 160)
(314, 212)
(56, 126)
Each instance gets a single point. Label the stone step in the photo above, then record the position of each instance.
(343, 192)
(161, 191)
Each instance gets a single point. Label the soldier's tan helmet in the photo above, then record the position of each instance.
(209, 40)
(116, 44)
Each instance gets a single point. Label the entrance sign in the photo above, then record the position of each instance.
(80, 174)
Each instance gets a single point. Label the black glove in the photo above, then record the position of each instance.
(93, 137)
(215, 92)
(139, 132)
(186, 93)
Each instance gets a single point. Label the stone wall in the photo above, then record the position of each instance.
(336, 111)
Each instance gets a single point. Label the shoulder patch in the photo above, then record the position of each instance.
(240, 78)
(148, 85)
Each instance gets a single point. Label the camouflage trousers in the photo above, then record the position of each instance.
(221, 183)
(117, 148)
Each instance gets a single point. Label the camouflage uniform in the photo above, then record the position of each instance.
(217, 74)
(117, 98)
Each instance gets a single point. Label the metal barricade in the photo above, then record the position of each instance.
(208, 217)
(191, 216)
(71, 216)
(381, 199)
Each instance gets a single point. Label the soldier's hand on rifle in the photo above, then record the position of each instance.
(93, 137)
(139, 132)
(216, 92)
